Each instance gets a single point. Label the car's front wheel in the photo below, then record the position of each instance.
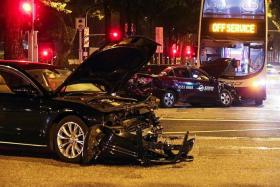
(225, 98)
(69, 138)
(168, 99)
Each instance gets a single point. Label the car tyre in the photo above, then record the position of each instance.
(225, 98)
(69, 137)
(168, 99)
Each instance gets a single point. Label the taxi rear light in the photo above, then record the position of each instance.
(144, 80)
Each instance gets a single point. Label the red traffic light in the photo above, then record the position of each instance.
(188, 50)
(174, 50)
(45, 53)
(27, 7)
(115, 35)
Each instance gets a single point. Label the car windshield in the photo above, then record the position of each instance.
(49, 78)
(83, 87)
(153, 69)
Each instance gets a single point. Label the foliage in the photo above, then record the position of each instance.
(178, 17)
(275, 10)
(58, 5)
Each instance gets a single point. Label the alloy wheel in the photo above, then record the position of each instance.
(169, 99)
(225, 98)
(70, 139)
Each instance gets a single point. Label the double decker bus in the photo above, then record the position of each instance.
(234, 32)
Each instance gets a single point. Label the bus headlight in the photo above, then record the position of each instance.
(259, 83)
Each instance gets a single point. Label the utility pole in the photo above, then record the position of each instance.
(107, 12)
(80, 25)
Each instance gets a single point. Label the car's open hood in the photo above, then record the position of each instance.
(113, 64)
(216, 68)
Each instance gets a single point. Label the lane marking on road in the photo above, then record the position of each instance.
(261, 148)
(228, 130)
(220, 120)
(240, 138)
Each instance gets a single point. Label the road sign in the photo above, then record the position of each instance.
(159, 39)
(80, 23)
(86, 37)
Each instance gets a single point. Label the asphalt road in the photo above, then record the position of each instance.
(224, 128)
(236, 146)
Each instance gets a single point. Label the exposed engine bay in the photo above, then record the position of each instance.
(134, 133)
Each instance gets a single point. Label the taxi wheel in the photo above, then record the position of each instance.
(69, 137)
(225, 98)
(168, 99)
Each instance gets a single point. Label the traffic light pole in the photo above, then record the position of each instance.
(34, 42)
(80, 46)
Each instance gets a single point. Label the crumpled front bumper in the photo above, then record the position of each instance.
(105, 141)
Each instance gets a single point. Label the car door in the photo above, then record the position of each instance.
(206, 90)
(19, 108)
(183, 83)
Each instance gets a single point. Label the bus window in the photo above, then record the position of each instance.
(250, 56)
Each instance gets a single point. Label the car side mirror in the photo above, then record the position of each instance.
(235, 63)
(212, 79)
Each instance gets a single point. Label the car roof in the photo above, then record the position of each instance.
(27, 65)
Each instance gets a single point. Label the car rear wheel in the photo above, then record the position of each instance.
(225, 98)
(69, 138)
(168, 99)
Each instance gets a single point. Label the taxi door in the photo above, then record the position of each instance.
(183, 83)
(205, 90)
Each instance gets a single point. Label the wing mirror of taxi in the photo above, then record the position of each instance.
(212, 79)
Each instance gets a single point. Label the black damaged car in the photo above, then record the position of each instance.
(178, 83)
(77, 115)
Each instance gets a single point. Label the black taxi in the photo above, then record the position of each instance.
(172, 84)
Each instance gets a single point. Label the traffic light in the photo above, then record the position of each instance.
(115, 35)
(26, 7)
(174, 50)
(188, 50)
(25, 16)
(46, 54)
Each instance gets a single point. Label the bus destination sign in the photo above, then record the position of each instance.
(234, 28)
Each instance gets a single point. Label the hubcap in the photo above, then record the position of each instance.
(225, 98)
(169, 99)
(70, 139)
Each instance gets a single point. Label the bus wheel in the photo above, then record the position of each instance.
(225, 98)
(258, 102)
(168, 99)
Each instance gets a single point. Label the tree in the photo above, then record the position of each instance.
(275, 10)
(13, 34)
